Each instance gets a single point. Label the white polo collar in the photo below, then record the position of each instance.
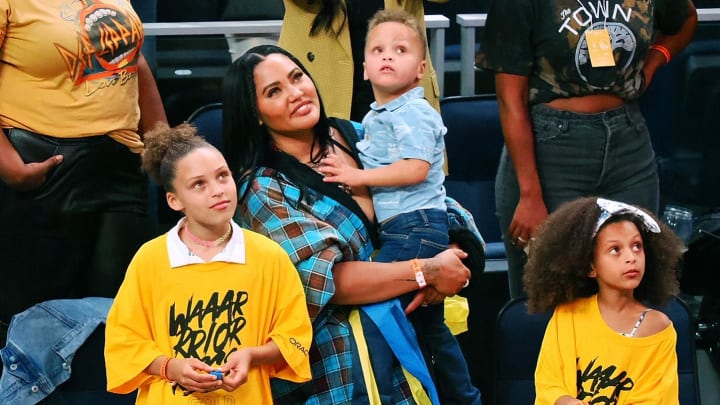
(180, 255)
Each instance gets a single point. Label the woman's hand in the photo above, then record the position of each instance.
(529, 214)
(424, 297)
(445, 272)
(18, 174)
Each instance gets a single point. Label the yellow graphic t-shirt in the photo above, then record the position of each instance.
(68, 68)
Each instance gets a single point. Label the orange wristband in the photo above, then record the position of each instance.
(419, 276)
(163, 368)
(663, 50)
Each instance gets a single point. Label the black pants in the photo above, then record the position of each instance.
(75, 236)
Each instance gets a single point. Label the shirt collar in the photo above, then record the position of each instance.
(417, 92)
(180, 255)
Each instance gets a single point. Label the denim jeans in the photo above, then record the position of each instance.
(423, 234)
(41, 344)
(607, 154)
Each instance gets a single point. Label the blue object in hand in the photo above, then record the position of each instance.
(218, 374)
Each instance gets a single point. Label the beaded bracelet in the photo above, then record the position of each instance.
(663, 50)
(163, 368)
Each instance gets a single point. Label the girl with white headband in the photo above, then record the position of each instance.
(603, 266)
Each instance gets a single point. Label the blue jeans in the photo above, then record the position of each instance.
(608, 154)
(423, 234)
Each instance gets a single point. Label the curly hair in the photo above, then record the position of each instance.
(164, 146)
(560, 257)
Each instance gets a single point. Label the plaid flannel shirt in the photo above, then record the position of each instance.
(316, 235)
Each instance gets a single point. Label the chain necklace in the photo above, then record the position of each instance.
(208, 243)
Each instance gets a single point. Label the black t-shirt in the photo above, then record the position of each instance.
(545, 40)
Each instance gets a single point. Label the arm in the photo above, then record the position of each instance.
(329, 256)
(674, 44)
(353, 285)
(151, 107)
(551, 373)
(404, 172)
(512, 91)
(415, 131)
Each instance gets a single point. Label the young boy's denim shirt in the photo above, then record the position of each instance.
(41, 344)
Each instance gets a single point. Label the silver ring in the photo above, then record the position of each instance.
(521, 240)
(467, 283)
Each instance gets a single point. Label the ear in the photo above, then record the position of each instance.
(365, 75)
(592, 273)
(173, 202)
(421, 70)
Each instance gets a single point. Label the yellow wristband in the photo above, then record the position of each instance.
(419, 276)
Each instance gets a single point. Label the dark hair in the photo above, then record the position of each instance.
(164, 146)
(329, 10)
(401, 17)
(561, 255)
(247, 143)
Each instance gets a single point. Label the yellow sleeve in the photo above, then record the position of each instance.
(555, 371)
(661, 385)
(292, 330)
(129, 345)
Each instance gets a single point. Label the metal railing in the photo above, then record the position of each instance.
(436, 25)
(468, 24)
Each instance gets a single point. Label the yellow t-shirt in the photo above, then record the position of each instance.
(583, 357)
(68, 68)
(207, 310)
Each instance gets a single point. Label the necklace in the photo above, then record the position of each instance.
(208, 243)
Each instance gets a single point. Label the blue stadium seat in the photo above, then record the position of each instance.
(518, 336)
(208, 121)
(474, 141)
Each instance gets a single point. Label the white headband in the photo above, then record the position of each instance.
(608, 208)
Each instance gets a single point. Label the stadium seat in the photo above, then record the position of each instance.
(518, 336)
(474, 141)
(208, 121)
